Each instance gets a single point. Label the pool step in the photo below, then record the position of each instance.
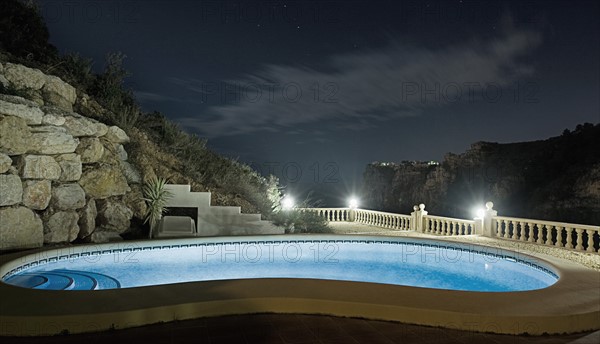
(64, 280)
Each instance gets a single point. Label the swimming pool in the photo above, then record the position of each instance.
(406, 262)
(569, 304)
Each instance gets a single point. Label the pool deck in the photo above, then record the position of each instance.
(571, 305)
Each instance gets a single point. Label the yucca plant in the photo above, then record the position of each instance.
(156, 197)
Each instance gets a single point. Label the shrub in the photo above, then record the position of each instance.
(156, 197)
(298, 221)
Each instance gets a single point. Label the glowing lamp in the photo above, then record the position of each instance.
(479, 212)
(287, 203)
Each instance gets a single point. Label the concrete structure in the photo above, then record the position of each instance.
(570, 305)
(210, 220)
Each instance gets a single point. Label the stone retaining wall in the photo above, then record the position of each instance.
(63, 176)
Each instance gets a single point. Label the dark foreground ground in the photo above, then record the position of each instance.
(273, 328)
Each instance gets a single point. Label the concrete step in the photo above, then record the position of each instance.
(224, 210)
(211, 220)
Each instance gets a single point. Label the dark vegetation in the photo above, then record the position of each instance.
(24, 40)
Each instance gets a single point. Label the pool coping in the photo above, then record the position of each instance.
(570, 305)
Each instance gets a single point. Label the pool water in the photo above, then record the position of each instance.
(414, 263)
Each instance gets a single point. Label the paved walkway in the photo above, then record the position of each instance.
(297, 329)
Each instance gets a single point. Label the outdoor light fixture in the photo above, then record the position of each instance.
(287, 203)
(479, 212)
(353, 203)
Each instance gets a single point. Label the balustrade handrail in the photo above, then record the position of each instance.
(546, 222)
(381, 212)
(339, 208)
(435, 217)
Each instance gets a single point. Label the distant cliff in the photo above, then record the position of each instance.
(554, 179)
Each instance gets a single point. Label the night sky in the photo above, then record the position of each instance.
(315, 90)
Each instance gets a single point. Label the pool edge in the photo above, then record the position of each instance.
(421, 306)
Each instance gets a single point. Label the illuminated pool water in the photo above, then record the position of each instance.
(408, 262)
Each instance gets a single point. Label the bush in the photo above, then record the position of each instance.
(298, 221)
(23, 32)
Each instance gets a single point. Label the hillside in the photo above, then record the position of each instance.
(69, 134)
(554, 179)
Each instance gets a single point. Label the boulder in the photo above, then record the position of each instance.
(37, 194)
(87, 218)
(89, 107)
(48, 129)
(82, 126)
(134, 200)
(59, 93)
(104, 181)
(11, 189)
(34, 96)
(5, 162)
(15, 136)
(121, 152)
(24, 77)
(31, 115)
(38, 167)
(90, 149)
(70, 165)
(17, 100)
(61, 227)
(53, 119)
(53, 143)
(103, 236)
(20, 228)
(3, 81)
(113, 216)
(68, 196)
(116, 135)
(131, 173)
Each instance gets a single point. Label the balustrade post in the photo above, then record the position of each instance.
(420, 213)
(579, 244)
(413, 219)
(352, 214)
(488, 217)
(590, 241)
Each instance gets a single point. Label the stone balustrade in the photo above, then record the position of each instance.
(447, 226)
(331, 214)
(383, 219)
(583, 238)
(558, 234)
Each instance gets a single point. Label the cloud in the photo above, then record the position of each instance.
(358, 90)
(153, 97)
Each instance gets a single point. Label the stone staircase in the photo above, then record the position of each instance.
(211, 220)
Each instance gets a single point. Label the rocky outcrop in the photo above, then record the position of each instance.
(37, 194)
(55, 165)
(113, 216)
(61, 227)
(87, 219)
(15, 135)
(11, 189)
(104, 181)
(555, 179)
(5, 162)
(68, 197)
(20, 228)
